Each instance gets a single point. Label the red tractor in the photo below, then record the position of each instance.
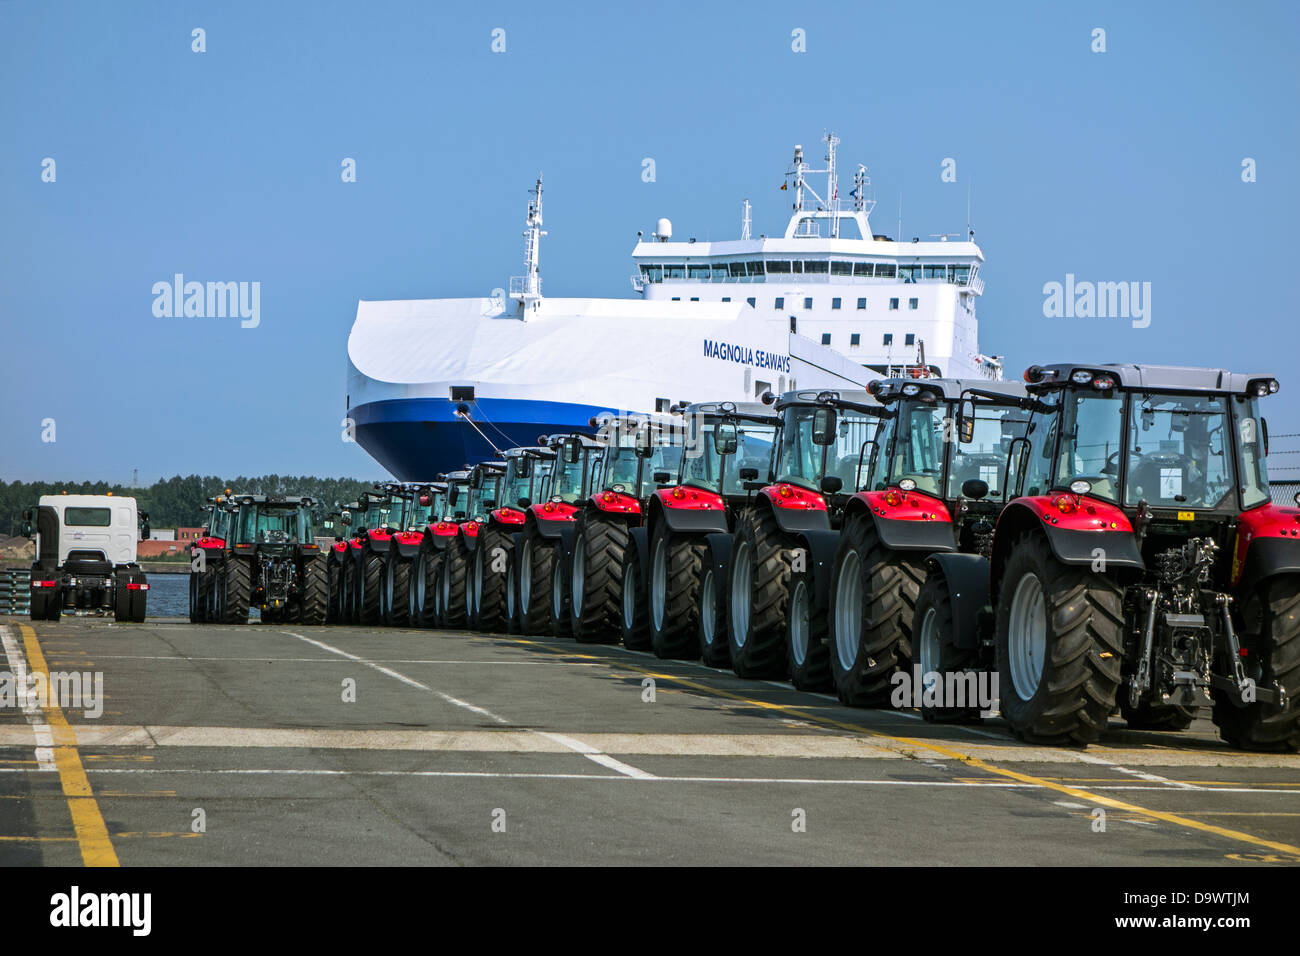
(454, 597)
(686, 538)
(362, 575)
(442, 530)
(1142, 565)
(927, 503)
(492, 577)
(606, 589)
(546, 545)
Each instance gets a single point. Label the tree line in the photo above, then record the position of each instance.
(178, 501)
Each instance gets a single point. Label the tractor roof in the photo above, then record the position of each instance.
(529, 451)
(752, 410)
(272, 500)
(950, 389)
(560, 437)
(1174, 378)
(813, 396)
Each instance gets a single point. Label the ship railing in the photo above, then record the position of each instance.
(524, 285)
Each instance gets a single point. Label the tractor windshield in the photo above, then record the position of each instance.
(1178, 451)
(621, 465)
(271, 523)
(458, 509)
(567, 481)
(1250, 452)
(985, 455)
(522, 474)
(801, 461)
(703, 467)
(1091, 441)
(919, 445)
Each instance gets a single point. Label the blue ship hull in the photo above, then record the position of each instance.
(419, 438)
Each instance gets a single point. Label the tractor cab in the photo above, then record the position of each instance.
(822, 451)
(729, 444)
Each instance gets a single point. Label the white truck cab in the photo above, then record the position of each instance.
(86, 556)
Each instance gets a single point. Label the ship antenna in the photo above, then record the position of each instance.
(745, 222)
(527, 288)
(832, 187)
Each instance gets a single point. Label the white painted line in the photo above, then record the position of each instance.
(577, 746)
(1139, 774)
(43, 737)
(325, 660)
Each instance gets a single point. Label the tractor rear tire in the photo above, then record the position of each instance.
(535, 556)
(236, 588)
(634, 606)
(453, 614)
(428, 566)
(331, 591)
(873, 593)
(1276, 647)
(315, 593)
(806, 640)
(371, 580)
(712, 623)
(676, 569)
(196, 607)
(759, 596)
(397, 588)
(491, 577)
(561, 626)
(1060, 641)
(596, 579)
(932, 641)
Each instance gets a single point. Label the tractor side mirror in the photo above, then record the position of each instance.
(748, 474)
(572, 450)
(966, 422)
(831, 484)
(27, 529)
(662, 477)
(823, 426)
(725, 438)
(645, 442)
(144, 529)
(524, 467)
(1263, 428)
(346, 517)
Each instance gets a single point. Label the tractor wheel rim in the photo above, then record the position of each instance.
(659, 583)
(478, 577)
(387, 609)
(510, 590)
(526, 574)
(799, 623)
(1027, 636)
(557, 586)
(741, 576)
(470, 603)
(929, 641)
(708, 608)
(629, 594)
(579, 569)
(848, 610)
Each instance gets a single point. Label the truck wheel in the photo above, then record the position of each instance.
(315, 593)
(397, 588)
(634, 609)
(370, 580)
(759, 596)
(873, 592)
(712, 623)
(426, 588)
(808, 650)
(936, 654)
(1275, 647)
(535, 557)
(599, 552)
(236, 591)
(331, 591)
(1060, 641)
(491, 568)
(451, 586)
(121, 598)
(138, 601)
(559, 592)
(1148, 716)
(39, 608)
(676, 567)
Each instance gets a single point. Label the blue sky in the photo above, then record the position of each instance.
(225, 165)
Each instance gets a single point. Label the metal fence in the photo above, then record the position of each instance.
(15, 591)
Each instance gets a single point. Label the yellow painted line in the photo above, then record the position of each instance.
(92, 834)
(912, 743)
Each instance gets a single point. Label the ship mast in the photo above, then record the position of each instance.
(803, 224)
(527, 288)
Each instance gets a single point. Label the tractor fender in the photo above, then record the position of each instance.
(553, 527)
(641, 541)
(967, 578)
(407, 549)
(820, 545)
(470, 541)
(696, 512)
(516, 540)
(378, 545)
(919, 522)
(805, 511)
(1266, 545)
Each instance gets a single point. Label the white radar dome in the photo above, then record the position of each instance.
(664, 229)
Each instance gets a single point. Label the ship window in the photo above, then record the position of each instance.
(884, 270)
(653, 273)
(695, 298)
(889, 339)
(737, 268)
(794, 324)
(862, 303)
(839, 268)
(913, 303)
(807, 303)
(826, 338)
(855, 339)
(780, 303)
(720, 273)
(751, 302)
(960, 274)
(661, 404)
(726, 298)
(835, 303)
(755, 268)
(674, 272)
(677, 298)
(893, 303)
(936, 272)
(862, 268)
(816, 266)
(698, 272)
(796, 265)
(909, 273)
(778, 266)
(911, 339)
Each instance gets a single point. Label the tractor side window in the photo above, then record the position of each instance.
(1091, 444)
(1250, 452)
(918, 451)
(1042, 439)
(853, 431)
(985, 455)
(876, 468)
(1176, 451)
